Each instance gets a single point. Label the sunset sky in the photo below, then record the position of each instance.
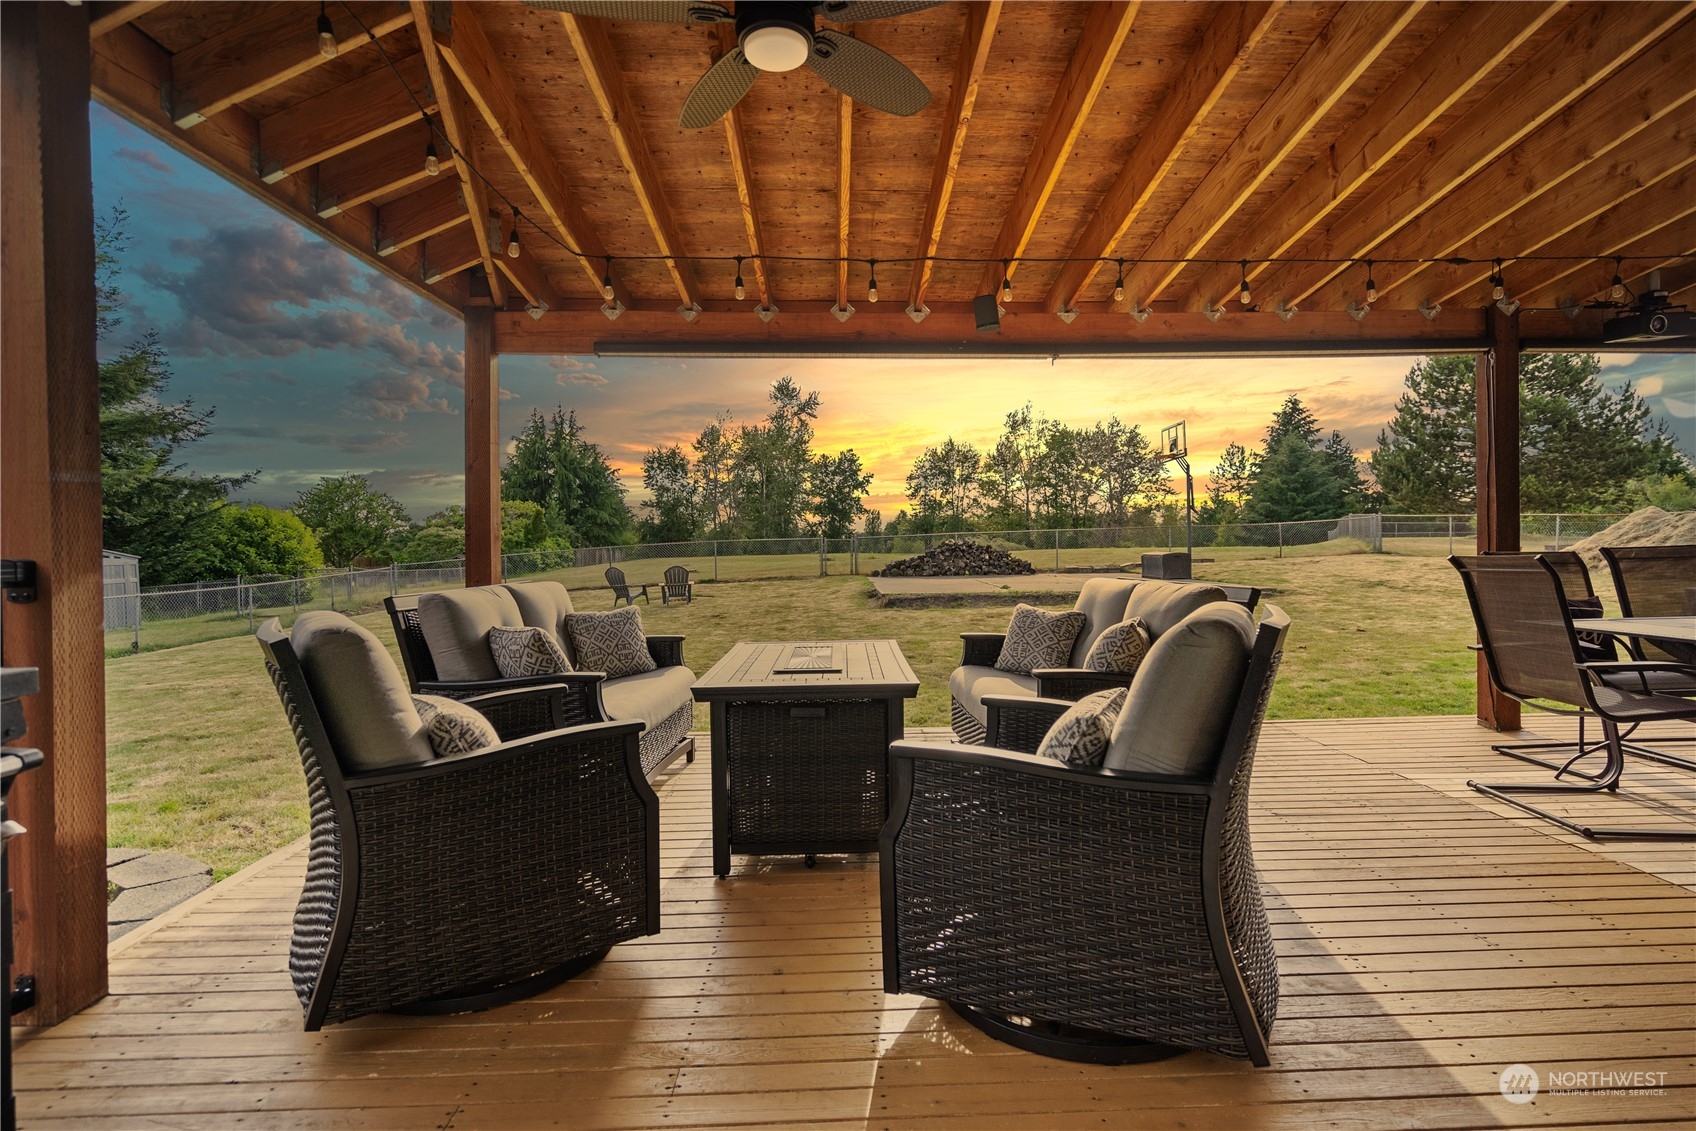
(317, 365)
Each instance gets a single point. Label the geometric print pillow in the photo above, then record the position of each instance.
(610, 642)
(1079, 737)
(1120, 649)
(527, 651)
(1037, 638)
(452, 727)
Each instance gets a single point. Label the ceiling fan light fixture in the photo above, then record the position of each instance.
(776, 45)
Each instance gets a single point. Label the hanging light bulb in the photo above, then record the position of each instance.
(1119, 284)
(606, 281)
(1497, 287)
(871, 283)
(741, 291)
(512, 240)
(1243, 295)
(1006, 282)
(432, 163)
(1616, 289)
(1371, 284)
(326, 34)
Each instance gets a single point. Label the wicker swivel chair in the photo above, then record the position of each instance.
(451, 884)
(1082, 913)
(677, 586)
(1533, 653)
(622, 590)
(1655, 581)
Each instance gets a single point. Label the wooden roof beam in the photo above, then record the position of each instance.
(465, 47)
(1350, 43)
(449, 253)
(1236, 30)
(736, 142)
(1481, 37)
(278, 43)
(1620, 117)
(529, 278)
(105, 15)
(418, 216)
(844, 180)
(343, 118)
(1600, 41)
(1679, 279)
(378, 168)
(606, 82)
(981, 19)
(1592, 279)
(1104, 31)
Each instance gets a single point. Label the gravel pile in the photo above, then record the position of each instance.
(957, 558)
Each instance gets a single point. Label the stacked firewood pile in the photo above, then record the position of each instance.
(957, 558)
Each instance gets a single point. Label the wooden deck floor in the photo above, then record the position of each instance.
(1426, 942)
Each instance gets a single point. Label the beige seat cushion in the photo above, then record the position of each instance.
(971, 684)
(360, 695)
(545, 604)
(1162, 604)
(1102, 602)
(1185, 693)
(456, 624)
(651, 697)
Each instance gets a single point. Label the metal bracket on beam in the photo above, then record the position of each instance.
(916, 313)
(1430, 309)
(691, 312)
(1212, 313)
(612, 310)
(843, 312)
(536, 310)
(766, 312)
(1572, 307)
(1141, 313)
(1285, 312)
(183, 115)
(1357, 311)
(1067, 314)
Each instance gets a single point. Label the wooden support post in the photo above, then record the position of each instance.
(482, 449)
(50, 465)
(1497, 449)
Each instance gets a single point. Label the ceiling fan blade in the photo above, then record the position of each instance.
(867, 74)
(692, 12)
(848, 11)
(722, 87)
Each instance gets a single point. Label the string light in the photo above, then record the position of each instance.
(1497, 287)
(1119, 284)
(1243, 295)
(1371, 284)
(432, 163)
(871, 283)
(1006, 281)
(512, 240)
(1616, 289)
(741, 291)
(326, 33)
(606, 281)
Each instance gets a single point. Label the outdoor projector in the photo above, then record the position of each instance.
(1649, 326)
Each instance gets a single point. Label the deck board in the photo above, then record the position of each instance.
(1427, 937)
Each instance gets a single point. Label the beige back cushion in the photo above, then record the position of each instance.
(1162, 604)
(1102, 602)
(363, 700)
(545, 604)
(1184, 695)
(456, 624)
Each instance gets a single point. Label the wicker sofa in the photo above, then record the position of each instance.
(443, 641)
(1098, 914)
(1104, 601)
(448, 884)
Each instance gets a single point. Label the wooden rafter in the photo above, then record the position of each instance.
(419, 215)
(343, 118)
(844, 181)
(456, 118)
(108, 14)
(277, 44)
(1628, 232)
(1619, 112)
(1104, 31)
(1230, 38)
(1342, 53)
(736, 143)
(1469, 50)
(1599, 189)
(530, 279)
(601, 70)
(465, 47)
(1599, 42)
(981, 19)
(451, 252)
(389, 164)
(1679, 279)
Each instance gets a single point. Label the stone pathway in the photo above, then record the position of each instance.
(144, 884)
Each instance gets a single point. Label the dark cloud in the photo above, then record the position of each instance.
(145, 159)
(392, 396)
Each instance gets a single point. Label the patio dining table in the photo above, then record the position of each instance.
(1678, 630)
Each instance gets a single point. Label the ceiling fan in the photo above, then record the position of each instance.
(778, 36)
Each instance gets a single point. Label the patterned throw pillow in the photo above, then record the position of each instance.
(610, 642)
(1037, 638)
(526, 651)
(1079, 737)
(1120, 649)
(452, 727)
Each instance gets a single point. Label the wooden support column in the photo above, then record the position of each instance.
(1496, 447)
(482, 449)
(50, 466)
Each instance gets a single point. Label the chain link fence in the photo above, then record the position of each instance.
(166, 616)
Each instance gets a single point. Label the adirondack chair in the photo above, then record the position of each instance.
(677, 586)
(622, 590)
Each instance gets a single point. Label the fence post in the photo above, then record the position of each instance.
(294, 595)
(715, 560)
(1056, 551)
(822, 569)
(394, 578)
(854, 553)
(135, 640)
(1280, 539)
(1451, 536)
(1557, 532)
(250, 600)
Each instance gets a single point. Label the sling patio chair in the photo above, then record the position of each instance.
(622, 590)
(1532, 652)
(677, 586)
(1655, 581)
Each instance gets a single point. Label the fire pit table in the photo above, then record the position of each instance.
(800, 744)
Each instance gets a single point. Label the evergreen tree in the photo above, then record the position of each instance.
(1344, 466)
(1295, 483)
(1291, 419)
(1228, 485)
(553, 466)
(353, 521)
(1424, 460)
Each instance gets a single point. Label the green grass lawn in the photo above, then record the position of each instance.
(200, 760)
